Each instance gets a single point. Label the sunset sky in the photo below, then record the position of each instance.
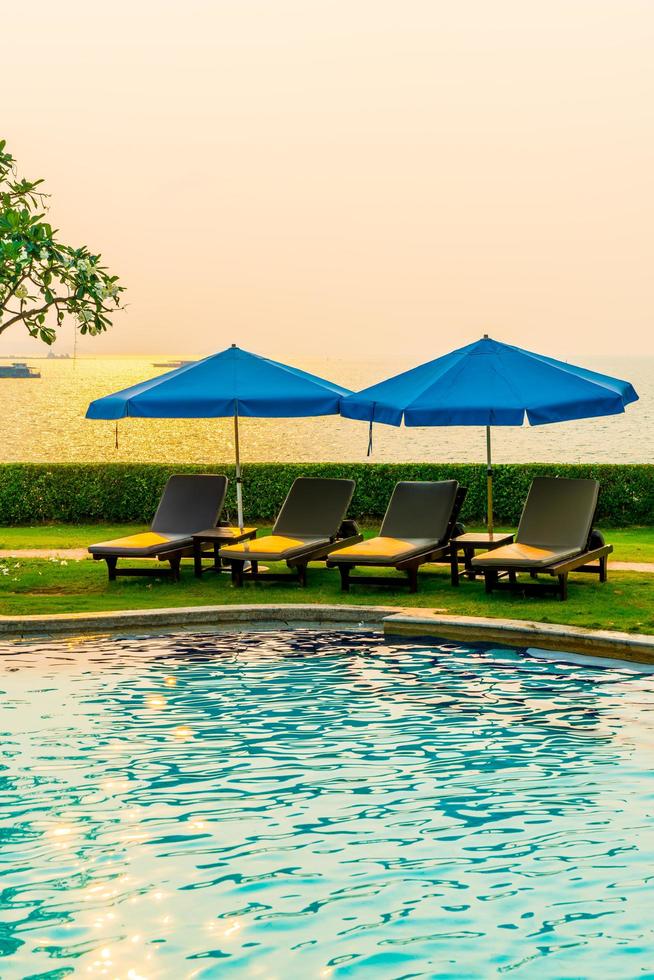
(347, 177)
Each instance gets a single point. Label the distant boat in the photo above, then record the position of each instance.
(171, 364)
(19, 369)
(57, 357)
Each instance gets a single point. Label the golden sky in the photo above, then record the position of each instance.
(347, 176)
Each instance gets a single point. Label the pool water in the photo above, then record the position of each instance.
(302, 804)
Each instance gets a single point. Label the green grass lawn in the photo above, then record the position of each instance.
(630, 544)
(61, 535)
(44, 586)
(31, 586)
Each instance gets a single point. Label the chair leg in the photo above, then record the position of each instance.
(197, 560)
(454, 567)
(111, 561)
(175, 562)
(412, 575)
(603, 568)
(345, 577)
(490, 581)
(512, 576)
(237, 574)
(302, 575)
(563, 586)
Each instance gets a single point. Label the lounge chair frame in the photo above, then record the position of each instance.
(174, 558)
(318, 543)
(595, 551)
(173, 553)
(410, 566)
(297, 566)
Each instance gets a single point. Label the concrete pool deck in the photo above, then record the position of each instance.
(397, 623)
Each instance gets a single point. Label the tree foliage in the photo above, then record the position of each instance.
(41, 279)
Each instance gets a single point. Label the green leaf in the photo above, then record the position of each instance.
(24, 235)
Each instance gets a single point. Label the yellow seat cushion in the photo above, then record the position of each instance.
(383, 550)
(147, 539)
(274, 547)
(527, 555)
(146, 544)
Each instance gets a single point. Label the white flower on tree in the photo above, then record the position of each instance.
(41, 279)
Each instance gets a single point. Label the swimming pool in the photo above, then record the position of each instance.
(301, 804)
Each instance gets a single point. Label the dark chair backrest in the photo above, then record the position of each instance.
(558, 512)
(314, 507)
(421, 510)
(190, 503)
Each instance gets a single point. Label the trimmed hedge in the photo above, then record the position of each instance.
(123, 493)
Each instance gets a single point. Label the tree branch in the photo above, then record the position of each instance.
(12, 290)
(28, 314)
(49, 267)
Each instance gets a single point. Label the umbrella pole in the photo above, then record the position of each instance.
(489, 482)
(239, 481)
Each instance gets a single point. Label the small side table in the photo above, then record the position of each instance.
(471, 542)
(217, 536)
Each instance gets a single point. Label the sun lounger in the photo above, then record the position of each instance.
(417, 527)
(555, 537)
(306, 530)
(189, 503)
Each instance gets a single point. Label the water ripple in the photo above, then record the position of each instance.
(301, 804)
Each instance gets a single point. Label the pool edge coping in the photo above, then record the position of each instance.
(637, 647)
(400, 623)
(185, 616)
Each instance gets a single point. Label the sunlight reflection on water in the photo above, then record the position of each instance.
(339, 806)
(44, 422)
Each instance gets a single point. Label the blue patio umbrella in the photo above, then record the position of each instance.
(489, 383)
(232, 383)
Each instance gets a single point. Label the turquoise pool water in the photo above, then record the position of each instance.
(307, 804)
